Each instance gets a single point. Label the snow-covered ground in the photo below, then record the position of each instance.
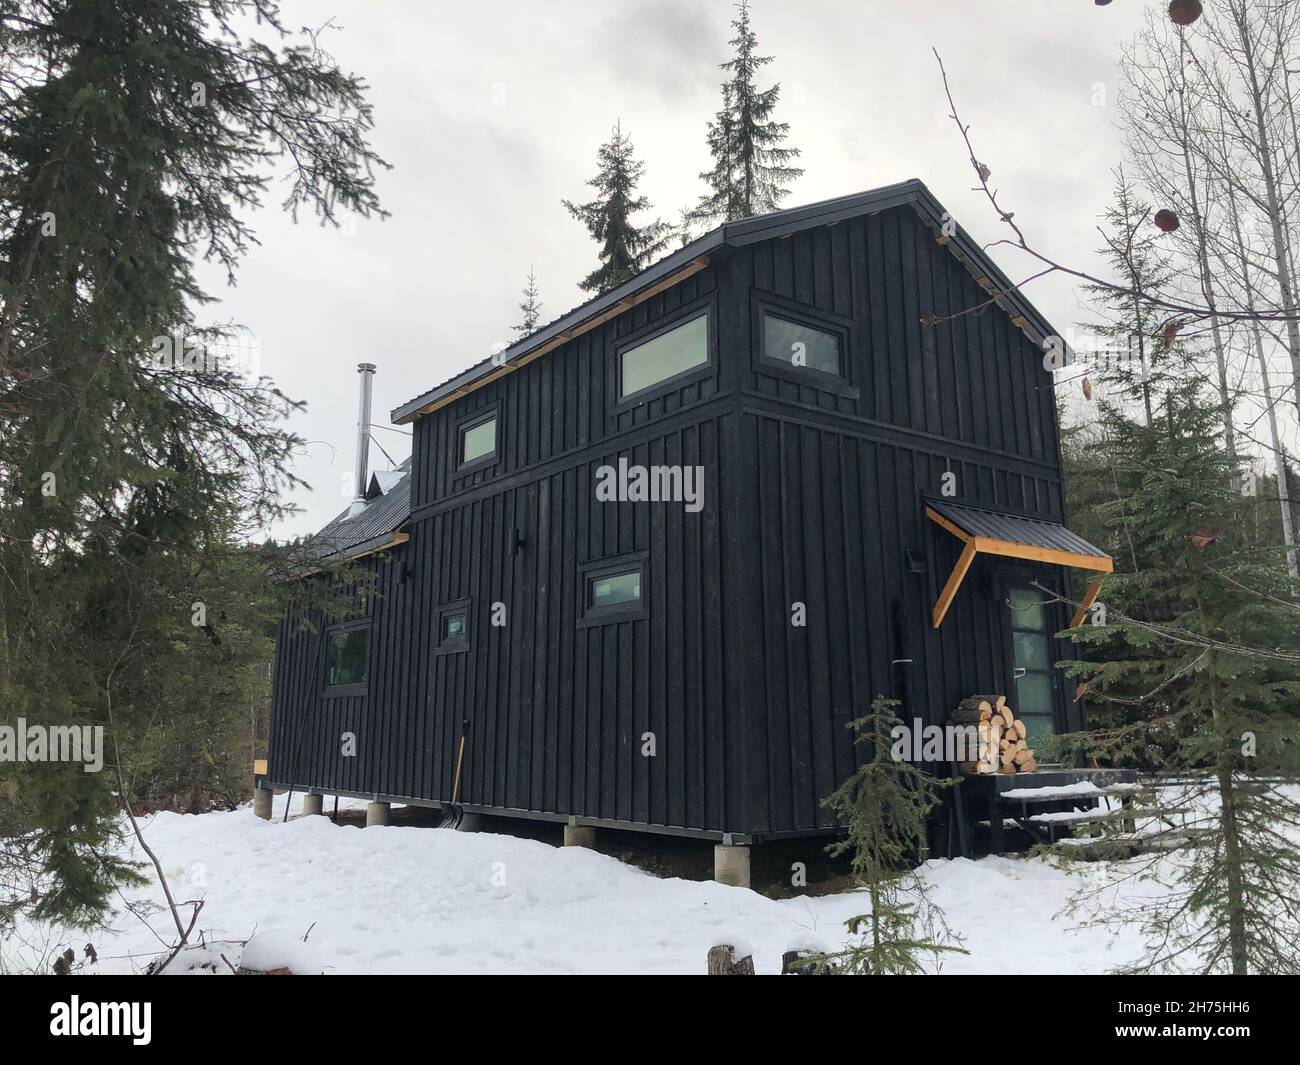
(420, 900)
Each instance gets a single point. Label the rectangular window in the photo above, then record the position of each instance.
(347, 657)
(802, 346)
(478, 442)
(613, 589)
(665, 356)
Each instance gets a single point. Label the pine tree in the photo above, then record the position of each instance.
(530, 306)
(625, 248)
(750, 163)
(884, 806)
(134, 138)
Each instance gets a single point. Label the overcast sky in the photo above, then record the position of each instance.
(490, 113)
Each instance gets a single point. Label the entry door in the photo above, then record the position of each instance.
(1031, 655)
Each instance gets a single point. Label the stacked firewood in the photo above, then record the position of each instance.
(1002, 747)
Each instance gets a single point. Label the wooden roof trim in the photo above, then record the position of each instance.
(393, 541)
(1050, 555)
(619, 307)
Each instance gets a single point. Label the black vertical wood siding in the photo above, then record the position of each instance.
(812, 495)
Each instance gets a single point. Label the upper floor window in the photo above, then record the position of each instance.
(664, 356)
(802, 343)
(802, 346)
(347, 656)
(478, 440)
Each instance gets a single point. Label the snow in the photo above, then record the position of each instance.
(1083, 789)
(324, 898)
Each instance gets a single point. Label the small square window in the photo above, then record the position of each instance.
(802, 346)
(478, 441)
(453, 627)
(347, 657)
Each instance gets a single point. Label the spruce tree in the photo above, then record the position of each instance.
(1189, 663)
(530, 307)
(132, 466)
(1200, 650)
(625, 247)
(1134, 356)
(884, 806)
(751, 168)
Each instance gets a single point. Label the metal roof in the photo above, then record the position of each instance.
(1014, 528)
(737, 234)
(346, 537)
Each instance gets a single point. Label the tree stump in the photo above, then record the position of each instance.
(722, 962)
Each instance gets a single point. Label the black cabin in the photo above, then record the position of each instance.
(594, 563)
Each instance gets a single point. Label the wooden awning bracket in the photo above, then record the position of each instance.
(1009, 549)
(1089, 597)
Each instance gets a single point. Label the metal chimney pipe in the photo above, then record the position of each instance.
(367, 372)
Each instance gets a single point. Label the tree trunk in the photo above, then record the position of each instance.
(1280, 256)
(1234, 880)
(1275, 436)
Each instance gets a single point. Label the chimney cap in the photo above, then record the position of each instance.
(365, 367)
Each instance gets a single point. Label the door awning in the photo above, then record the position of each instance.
(1012, 536)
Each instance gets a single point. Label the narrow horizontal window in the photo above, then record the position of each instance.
(478, 441)
(664, 356)
(347, 657)
(802, 346)
(614, 589)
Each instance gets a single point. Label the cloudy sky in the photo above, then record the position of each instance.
(490, 113)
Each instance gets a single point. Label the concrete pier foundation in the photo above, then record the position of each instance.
(580, 836)
(262, 798)
(731, 865)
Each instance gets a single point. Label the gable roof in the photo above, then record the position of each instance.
(694, 257)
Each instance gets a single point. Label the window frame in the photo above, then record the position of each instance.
(490, 413)
(763, 303)
(593, 570)
(443, 645)
(703, 307)
(336, 691)
(1012, 575)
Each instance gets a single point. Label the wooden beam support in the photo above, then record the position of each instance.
(1089, 597)
(1049, 555)
(955, 578)
(1009, 549)
(939, 519)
